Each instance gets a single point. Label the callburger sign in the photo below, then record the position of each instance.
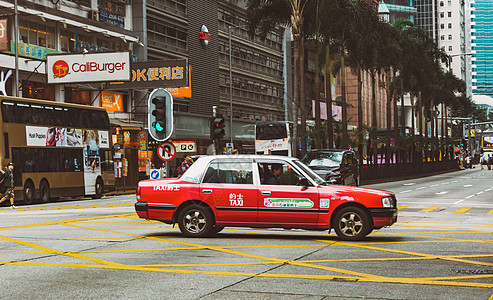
(93, 67)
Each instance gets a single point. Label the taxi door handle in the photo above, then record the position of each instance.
(265, 193)
(206, 191)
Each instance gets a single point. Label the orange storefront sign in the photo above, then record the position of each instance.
(111, 101)
(184, 92)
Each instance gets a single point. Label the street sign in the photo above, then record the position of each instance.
(166, 151)
(184, 146)
(154, 174)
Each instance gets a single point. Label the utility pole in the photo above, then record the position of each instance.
(213, 140)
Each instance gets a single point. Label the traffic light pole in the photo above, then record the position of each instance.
(213, 140)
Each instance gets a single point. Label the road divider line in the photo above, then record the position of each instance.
(430, 209)
(462, 210)
(421, 188)
(406, 191)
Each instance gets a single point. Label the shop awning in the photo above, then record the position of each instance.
(124, 125)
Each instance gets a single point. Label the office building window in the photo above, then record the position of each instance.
(442, 26)
(449, 37)
(442, 15)
(450, 14)
(449, 48)
(449, 25)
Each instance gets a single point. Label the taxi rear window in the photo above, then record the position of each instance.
(229, 172)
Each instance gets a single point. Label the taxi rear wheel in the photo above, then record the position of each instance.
(196, 221)
(352, 223)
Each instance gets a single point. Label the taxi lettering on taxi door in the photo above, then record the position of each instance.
(235, 199)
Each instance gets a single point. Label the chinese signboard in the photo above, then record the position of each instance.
(184, 91)
(3, 35)
(156, 74)
(94, 67)
(31, 51)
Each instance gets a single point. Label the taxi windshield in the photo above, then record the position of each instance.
(314, 176)
(323, 159)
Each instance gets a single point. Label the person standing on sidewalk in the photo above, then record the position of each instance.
(8, 184)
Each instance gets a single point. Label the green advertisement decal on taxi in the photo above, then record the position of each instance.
(288, 202)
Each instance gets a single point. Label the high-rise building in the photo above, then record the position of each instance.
(446, 21)
(399, 9)
(482, 47)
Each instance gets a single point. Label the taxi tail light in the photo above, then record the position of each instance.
(137, 195)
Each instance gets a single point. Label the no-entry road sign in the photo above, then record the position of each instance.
(166, 151)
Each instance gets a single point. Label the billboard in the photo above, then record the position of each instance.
(156, 74)
(111, 101)
(90, 67)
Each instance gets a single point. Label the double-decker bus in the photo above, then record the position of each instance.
(273, 137)
(56, 148)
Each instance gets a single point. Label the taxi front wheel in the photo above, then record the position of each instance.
(352, 223)
(196, 221)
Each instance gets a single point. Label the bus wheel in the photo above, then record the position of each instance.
(28, 192)
(44, 192)
(99, 188)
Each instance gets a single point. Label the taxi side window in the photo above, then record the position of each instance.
(278, 174)
(229, 172)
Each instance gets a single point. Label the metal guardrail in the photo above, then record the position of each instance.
(383, 171)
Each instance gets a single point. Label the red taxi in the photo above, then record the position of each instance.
(262, 191)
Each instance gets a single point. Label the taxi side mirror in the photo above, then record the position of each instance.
(303, 182)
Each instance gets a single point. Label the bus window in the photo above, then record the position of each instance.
(273, 138)
(271, 131)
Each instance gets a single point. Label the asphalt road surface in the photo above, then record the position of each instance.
(440, 248)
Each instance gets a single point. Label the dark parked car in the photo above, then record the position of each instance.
(333, 165)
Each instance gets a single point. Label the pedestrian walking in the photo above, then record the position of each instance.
(468, 161)
(187, 162)
(7, 185)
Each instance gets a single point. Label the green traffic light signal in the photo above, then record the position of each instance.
(160, 114)
(158, 126)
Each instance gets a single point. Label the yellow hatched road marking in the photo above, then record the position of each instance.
(343, 274)
(429, 209)
(462, 210)
(402, 206)
(490, 213)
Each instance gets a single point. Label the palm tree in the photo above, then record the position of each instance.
(263, 16)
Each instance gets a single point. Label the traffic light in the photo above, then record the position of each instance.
(160, 114)
(217, 128)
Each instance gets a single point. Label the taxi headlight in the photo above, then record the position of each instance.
(386, 202)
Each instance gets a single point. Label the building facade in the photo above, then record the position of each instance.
(482, 47)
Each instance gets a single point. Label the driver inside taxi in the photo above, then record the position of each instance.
(276, 173)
